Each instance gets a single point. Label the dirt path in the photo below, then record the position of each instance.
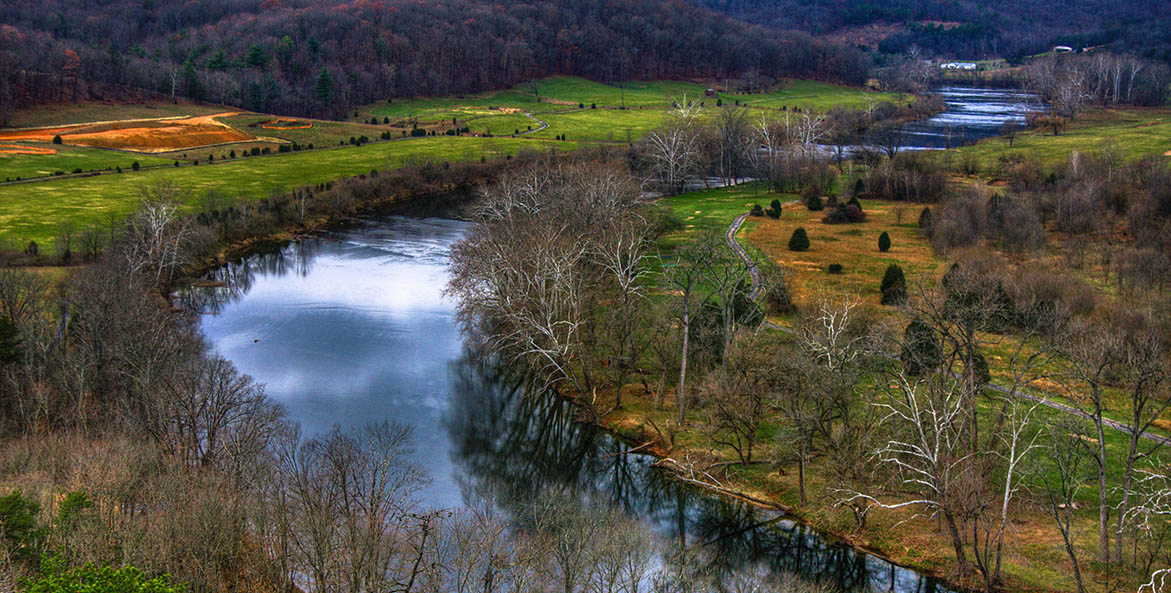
(538, 129)
(758, 287)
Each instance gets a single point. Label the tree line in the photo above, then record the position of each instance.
(314, 59)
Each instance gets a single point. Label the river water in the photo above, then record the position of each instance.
(352, 327)
(971, 114)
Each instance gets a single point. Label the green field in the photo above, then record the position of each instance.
(34, 211)
(565, 93)
(1134, 132)
(67, 159)
(322, 134)
(611, 125)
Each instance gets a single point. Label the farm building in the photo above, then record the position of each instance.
(958, 66)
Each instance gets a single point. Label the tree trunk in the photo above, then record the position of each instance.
(1103, 505)
(801, 475)
(958, 543)
(681, 391)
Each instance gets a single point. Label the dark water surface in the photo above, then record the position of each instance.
(352, 327)
(972, 114)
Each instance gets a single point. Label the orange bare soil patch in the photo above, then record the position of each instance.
(161, 135)
(286, 124)
(18, 149)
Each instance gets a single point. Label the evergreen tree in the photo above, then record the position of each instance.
(256, 57)
(314, 47)
(324, 86)
(813, 202)
(799, 241)
(922, 351)
(217, 61)
(194, 88)
(894, 286)
(925, 218)
(10, 347)
(884, 242)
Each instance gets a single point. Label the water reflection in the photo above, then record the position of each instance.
(971, 114)
(352, 327)
(508, 445)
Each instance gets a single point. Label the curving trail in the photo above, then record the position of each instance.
(536, 129)
(758, 286)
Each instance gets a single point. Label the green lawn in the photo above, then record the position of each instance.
(34, 211)
(1135, 132)
(645, 102)
(322, 134)
(611, 125)
(67, 159)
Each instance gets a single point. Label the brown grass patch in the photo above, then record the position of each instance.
(140, 135)
(853, 245)
(286, 124)
(18, 149)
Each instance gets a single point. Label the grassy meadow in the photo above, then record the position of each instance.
(67, 159)
(34, 211)
(1133, 132)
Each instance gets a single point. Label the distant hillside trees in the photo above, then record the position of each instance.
(269, 57)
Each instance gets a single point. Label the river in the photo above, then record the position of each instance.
(352, 327)
(971, 114)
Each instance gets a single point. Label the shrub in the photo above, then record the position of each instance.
(884, 242)
(57, 139)
(176, 163)
(77, 170)
(922, 351)
(593, 105)
(925, 218)
(232, 154)
(859, 186)
(834, 269)
(56, 577)
(756, 210)
(894, 286)
(18, 515)
(814, 204)
(32, 248)
(774, 209)
(799, 241)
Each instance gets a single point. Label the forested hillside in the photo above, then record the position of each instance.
(973, 28)
(322, 57)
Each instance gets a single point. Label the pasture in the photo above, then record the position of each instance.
(67, 159)
(1133, 133)
(34, 211)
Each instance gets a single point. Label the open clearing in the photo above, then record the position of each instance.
(1132, 132)
(63, 114)
(138, 135)
(34, 211)
(45, 160)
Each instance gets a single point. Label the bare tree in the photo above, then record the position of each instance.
(1064, 453)
(926, 448)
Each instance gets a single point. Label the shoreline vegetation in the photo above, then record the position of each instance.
(644, 321)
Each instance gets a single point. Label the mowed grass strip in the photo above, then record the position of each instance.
(35, 211)
(67, 159)
(1135, 133)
